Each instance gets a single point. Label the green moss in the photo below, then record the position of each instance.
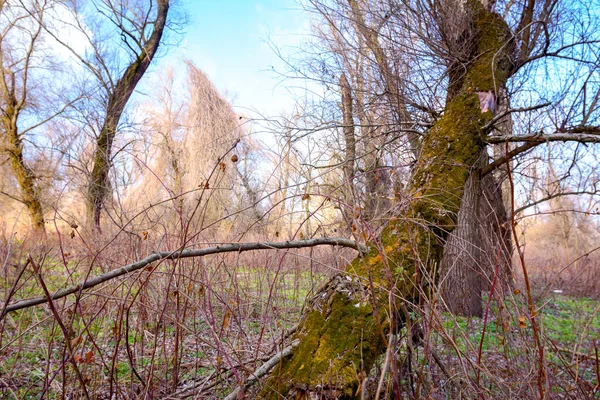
(449, 150)
(336, 344)
(491, 67)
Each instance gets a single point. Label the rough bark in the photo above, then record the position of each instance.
(344, 328)
(24, 175)
(118, 97)
(461, 271)
(13, 101)
(478, 248)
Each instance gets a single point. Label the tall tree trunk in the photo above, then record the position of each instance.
(14, 75)
(390, 80)
(25, 177)
(349, 138)
(350, 147)
(344, 329)
(479, 247)
(98, 186)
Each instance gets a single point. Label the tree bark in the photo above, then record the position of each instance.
(478, 248)
(13, 102)
(461, 270)
(344, 329)
(350, 147)
(25, 177)
(349, 138)
(98, 186)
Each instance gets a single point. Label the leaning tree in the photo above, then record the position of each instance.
(119, 41)
(485, 61)
(398, 63)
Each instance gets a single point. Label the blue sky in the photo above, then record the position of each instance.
(228, 40)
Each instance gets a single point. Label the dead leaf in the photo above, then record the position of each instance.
(522, 322)
(75, 341)
(226, 320)
(89, 356)
(145, 235)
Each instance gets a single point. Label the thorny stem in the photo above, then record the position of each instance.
(531, 306)
(68, 344)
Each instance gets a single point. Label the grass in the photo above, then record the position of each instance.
(225, 318)
(258, 303)
(570, 328)
(565, 320)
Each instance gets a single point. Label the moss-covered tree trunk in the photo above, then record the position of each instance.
(345, 327)
(11, 108)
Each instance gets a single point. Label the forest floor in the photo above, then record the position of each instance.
(196, 330)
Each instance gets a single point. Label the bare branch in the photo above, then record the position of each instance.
(581, 134)
(500, 116)
(569, 136)
(553, 196)
(178, 254)
(263, 370)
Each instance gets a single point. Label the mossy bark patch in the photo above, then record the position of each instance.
(339, 337)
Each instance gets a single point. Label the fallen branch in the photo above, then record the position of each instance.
(175, 255)
(263, 370)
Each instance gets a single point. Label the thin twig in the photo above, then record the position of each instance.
(12, 290)
(65, 331)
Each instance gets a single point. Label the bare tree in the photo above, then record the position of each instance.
(28, 101)
(190, 131)
(128, 30)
